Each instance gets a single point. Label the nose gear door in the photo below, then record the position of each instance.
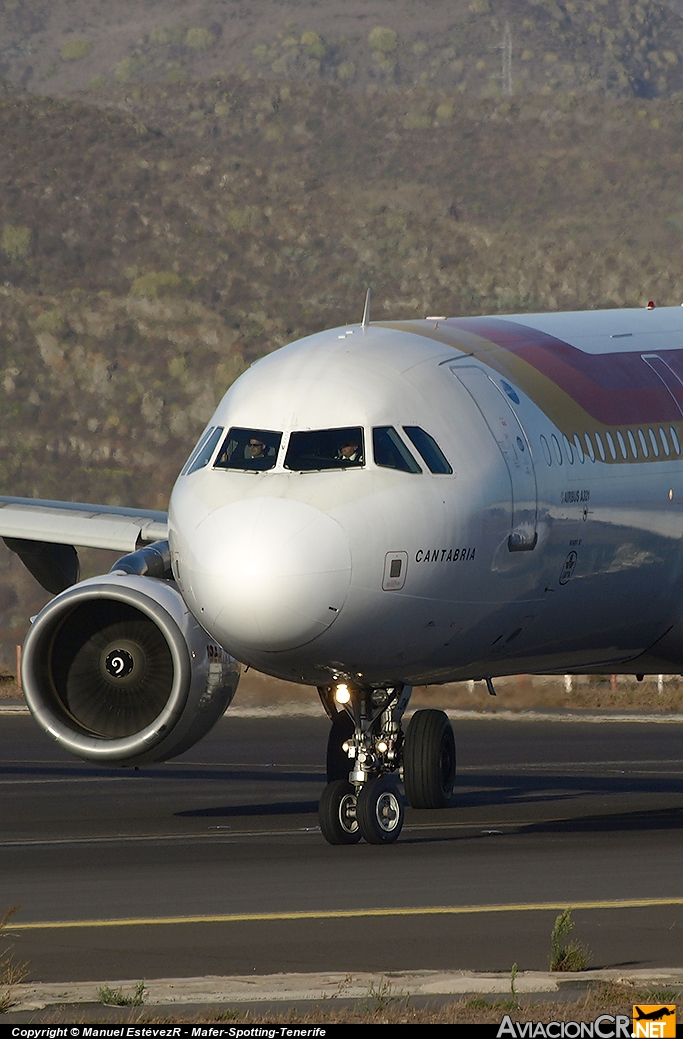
(514, 447)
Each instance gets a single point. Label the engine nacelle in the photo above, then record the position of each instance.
(118, 671)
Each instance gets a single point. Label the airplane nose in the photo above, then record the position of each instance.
(270, 573)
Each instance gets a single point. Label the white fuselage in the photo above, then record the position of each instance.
(530, 555)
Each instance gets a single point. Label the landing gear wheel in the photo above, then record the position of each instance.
(337, 813)
(338, 764)
(380, 811)
(429, 760)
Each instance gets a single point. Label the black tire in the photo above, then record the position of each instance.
(337, 813)
(429, 760)
(380, 811)
(338, 762)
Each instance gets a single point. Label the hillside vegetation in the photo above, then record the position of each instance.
(155, 243)
(604, 47)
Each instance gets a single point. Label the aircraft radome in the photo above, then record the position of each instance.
(373, 507)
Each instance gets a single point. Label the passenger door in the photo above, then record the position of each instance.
(514, 447)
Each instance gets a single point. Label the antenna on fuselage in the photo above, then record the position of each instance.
(366, 310)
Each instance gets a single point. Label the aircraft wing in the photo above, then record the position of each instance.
(76, 523)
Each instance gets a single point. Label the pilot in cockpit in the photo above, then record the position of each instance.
(349, 451)
(257, 455)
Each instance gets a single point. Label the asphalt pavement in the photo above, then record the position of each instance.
(213, 864)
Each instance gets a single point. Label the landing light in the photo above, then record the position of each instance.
(382, 747)
(342, 694)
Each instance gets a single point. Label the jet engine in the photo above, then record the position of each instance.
(117, 670)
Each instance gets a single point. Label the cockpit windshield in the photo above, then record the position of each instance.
(325, 449)
(201, 456)
(252, 450)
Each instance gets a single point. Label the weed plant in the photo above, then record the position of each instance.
(566, 956)
(115, 997)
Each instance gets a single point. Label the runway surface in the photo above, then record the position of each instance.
(218, 859)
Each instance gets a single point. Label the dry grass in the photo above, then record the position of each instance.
(385, 1005)
(517, 693)
(11, 972)
(9, 688)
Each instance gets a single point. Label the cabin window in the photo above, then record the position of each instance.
(589, 445)
(622, 445)
(665, 442)
(568, 450)
(632, 442)
(653, 441)
(318, 449)
(579, 449)
(674, 440)
(429, 449)
(201, 456)
(601, 450)
(390, 451)
(556, 449)
(546, 450)
(610, 444)
(251, 450)
(643, 442)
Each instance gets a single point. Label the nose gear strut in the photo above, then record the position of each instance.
(367, 754)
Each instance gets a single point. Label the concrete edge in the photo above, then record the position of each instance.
(332, 985)
(296, 710)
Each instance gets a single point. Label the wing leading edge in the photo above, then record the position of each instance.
(77, 523)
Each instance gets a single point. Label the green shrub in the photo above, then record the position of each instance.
(50, 321)
(241, 219)
(262, 54)
(124, 69)
(15, 241)
(382, 39)
(385, 65)
(199, 39)
(416, 121)
(159, 283)
(346, 71)
(115, 997)
(74, 50)
(165, 35)
(313, 44)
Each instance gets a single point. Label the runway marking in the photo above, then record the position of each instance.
(222, 834)
(657, 767)
(341, 914)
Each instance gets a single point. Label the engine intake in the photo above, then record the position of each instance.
(118, 671)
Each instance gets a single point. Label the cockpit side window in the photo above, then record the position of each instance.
(325, 449)
(251, 450)
(390, 451)
(429, 449)
(201, 456)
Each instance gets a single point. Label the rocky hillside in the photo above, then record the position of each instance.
(615, 48)
(154, 244)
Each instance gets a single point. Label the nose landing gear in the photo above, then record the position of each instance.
(379, 811)
(337, 813)
(367, 754)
